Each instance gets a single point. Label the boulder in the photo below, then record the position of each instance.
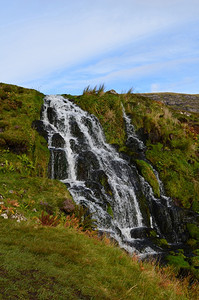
(68, 206)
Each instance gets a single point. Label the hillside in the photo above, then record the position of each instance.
(182, 102)
(171, 138)
(64, 262)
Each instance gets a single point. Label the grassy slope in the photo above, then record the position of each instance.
(24, 156)
(60, 263)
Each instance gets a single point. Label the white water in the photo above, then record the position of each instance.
(123, 200)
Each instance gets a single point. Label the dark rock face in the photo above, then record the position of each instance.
(87, 162)
(140, 233)
(51, 113)
(60, 163)
(58, 141)
(41, 128)
(75, 130)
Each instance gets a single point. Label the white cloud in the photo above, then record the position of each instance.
(45, 37)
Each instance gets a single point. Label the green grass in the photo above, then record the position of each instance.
(60, 263)
(19, 107)
(172, 146)
(107, 107)
(147, 172)
(31, 195)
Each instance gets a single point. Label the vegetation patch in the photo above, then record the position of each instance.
(194, 231)
(19, 107)
(172, 146)
(109, 210)
(147, 172)
(108, 109)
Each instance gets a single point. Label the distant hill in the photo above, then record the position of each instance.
(178, 101)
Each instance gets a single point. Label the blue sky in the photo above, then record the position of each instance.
(61, 46)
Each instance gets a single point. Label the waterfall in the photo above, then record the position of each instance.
(98, 177)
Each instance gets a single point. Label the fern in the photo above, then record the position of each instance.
(48, 220)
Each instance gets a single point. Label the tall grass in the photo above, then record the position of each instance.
(95, 90)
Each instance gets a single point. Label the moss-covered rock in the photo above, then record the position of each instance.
(193, 231)
(148, 174)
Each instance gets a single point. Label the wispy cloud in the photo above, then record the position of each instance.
(57, 43)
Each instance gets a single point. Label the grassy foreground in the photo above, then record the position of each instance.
(60, 263)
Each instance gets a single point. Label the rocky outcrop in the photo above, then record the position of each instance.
(185, 102)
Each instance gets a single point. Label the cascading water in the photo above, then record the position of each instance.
(97, 176)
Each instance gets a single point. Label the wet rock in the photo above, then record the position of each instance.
(171, 222)
(41, 128)
(140, 232)
(134, 145)
(96, 190)
(86, 163)
(58, 141)
(75, 130)
(101, 177)
(58, 164)
(51, 114)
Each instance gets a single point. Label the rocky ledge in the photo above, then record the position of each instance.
(185, 102)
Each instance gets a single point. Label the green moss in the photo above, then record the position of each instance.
(153, 233)
(109, 210)
(178, 261)
(104, 182)
(192, 243)
(147, 172)
(162, 243)
(194, 231)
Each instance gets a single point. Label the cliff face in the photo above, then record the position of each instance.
(177, 101)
